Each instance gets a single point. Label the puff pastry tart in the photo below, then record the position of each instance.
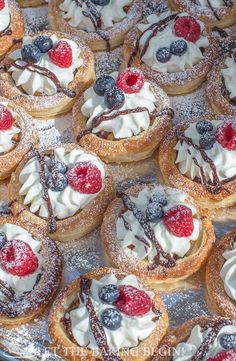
(199, 158)
(107, 315)
(31, 3)
(220, 276)
(64, 189)
(122, 117)
(46, 73)
(221, 84)
(11, 25)
(17, 135)
(102, 24)
(200, 339)
(173, 49)
(219, 13)
(30, 271)
(156, 233)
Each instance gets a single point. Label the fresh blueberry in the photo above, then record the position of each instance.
(228, 341)
(178, 47)
(207, 140)
(111, 318)
(31, 53)
(44, 43)
(154, 212)
(163, 55)
(102, 84)
(109, 293)
(203, 126)
(114, 98)
(159, 198)
(60, 167)
(101, 2)
(3, 239)
(58, 183)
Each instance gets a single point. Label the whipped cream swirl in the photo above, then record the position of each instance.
(32, 82)
(228, 272)
(132, 330)
(186, 350)
(21, 284)
(224, 159)
(164, 39)
(216, 4)
(65, 203)
(171, 244)
(5, 17)
(229, 75)
(6, 136)
(111, 14)
(123, 126)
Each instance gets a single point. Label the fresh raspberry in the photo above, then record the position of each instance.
(61, 54)
(179, 221)
(85, 177)
(227, 355)
(18, 259)
(133, 302)
(188, 28)
(226, 135)
(130, 80)
(2, 4)
(6, 119)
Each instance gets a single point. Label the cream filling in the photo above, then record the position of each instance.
(6, 135)
(165, 38)
(132, 330)
(216, 4)
(64, 204)
(25, 283)
(228, 272)
(123, 126)
(171, 244)
(33, 82)
(111, 14)
(5, 17)
(229, 75)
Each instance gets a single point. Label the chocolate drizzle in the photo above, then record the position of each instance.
(6, 31)
(209, 340)
(168, 260)
(39, 70)
(7, 291)
(154, 28)
(213, 10)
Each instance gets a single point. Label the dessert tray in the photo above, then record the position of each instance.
(183, 299)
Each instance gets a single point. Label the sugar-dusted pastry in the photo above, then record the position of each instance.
(31, 3)
(200, 158)
(200, 339)
(46, 73)
(11, 25)
(17, 136)
(214, 13)
(221, 275)
(107, 315)
(156, 233)
(102, 24)
(65, 189)
(122, 117)
(175, 50)
(221, 84)
(30, 271)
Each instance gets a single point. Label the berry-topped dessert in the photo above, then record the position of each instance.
(156, 233)
(200, 158)
(122, 117)
(30, 271)
(48, 71)
(17, 134)
(101, 23)
(214, 13)
(65, 189)
(220, 276)
(202, 338)
(173, 49)
(221, 85)
(11, 25)
(109, 314)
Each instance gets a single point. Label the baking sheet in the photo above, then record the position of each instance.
(185, 299)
